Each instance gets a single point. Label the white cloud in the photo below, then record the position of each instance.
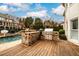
(21, 6)
(11, 9)
(39, 7)
(59, 10)
(42, 13)
(16, 4)
(4, 8)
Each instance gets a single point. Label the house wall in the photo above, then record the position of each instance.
(71, 13)
(10, 23)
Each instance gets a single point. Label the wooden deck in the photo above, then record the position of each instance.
(43, 48)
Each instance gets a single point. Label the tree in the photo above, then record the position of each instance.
(57, 26)
(48, 24)
(21, 22)
(38, 24)
(28, 22)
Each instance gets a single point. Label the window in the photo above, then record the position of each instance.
(75, 24)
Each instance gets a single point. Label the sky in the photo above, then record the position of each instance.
(52, 11)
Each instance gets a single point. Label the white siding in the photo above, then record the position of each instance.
(71, 13)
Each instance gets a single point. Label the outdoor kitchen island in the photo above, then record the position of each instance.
(29, 37)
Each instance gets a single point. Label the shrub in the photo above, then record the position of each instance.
(38, 24)
(61, 31)
(56, 28)
(62, 34)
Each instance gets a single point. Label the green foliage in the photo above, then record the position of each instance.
(38, 24)
(48, 24)
(62, 34)
(57, 28)
(28, 22)
(61, 31)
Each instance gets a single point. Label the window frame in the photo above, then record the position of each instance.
(72, 21)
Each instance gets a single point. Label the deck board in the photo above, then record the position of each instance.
(43, 48)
